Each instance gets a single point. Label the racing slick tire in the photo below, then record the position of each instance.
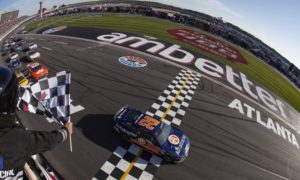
(125, 136)
(168, 159)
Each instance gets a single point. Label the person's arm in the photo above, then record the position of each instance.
(41, 141)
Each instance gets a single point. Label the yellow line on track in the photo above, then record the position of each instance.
(131, 164)
(162, 117)
(178, 93)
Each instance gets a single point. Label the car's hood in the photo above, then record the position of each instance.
(177, 143)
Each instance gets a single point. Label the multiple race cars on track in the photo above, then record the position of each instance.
(151, 134)
(37, 71)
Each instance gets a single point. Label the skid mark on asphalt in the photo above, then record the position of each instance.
(129, 161)
(90, 47)
(46, 48)
(60, 42)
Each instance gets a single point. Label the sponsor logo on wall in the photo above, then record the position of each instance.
(133, 61)
(209, 44)
(55, 29)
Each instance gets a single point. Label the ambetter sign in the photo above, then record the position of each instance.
(209, 44)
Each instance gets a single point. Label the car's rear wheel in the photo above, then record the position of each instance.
(125, 136)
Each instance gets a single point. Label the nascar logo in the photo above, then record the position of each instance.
(133, 61)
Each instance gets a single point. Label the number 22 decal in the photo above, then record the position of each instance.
(149, 123)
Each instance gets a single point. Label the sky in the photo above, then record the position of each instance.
(275, 22)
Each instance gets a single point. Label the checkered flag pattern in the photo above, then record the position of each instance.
(144, 167)
(175, 99)
(28, 103)
(54, 94)
(48, 96)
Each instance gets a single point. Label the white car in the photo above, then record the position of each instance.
(12, 43)
(32, 46)
(32, 55)
(13, 55)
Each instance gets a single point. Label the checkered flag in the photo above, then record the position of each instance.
(54, 95)
(28, 103)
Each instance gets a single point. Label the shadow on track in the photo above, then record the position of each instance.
(98, 128)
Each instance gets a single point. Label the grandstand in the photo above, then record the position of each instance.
(6, 26)
(8, 16)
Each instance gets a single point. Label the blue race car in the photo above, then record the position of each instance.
(16, 48)
(15, 64)
(151, 134)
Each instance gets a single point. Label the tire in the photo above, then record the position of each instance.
(168, 159)
(125, 136)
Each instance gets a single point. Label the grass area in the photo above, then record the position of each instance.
(255, 69)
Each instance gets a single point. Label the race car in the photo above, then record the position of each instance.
(15, 64)
(13, 55)
(31, 46)
(16, 48)
(22, 80)
(151, 134)
(37, 71)
(32, 55)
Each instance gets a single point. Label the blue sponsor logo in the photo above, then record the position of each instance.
(1, 162)
(133, 61)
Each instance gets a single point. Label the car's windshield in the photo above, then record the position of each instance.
(134, 115)
(20, 78)
(163, 133)
(31, 53)
(36, 68)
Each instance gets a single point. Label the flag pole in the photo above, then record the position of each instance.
(70, 139)
(71, 145)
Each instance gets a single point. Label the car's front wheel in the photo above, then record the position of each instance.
(168, 158)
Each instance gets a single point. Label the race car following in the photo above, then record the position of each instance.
(151, 134)
(32, 55)
(15, 64)
(22, 80)
(37, 71)
(13, 55)
(31, 46)
(16, 48)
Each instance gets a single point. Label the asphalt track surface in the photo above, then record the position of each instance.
(224, 143)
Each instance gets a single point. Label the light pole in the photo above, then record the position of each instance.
(41, 12)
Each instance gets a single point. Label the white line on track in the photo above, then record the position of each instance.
(42, 39)
(267, 171)
(59, 42)
(46, 48)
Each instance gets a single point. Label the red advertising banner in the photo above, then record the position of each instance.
(209, 44)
